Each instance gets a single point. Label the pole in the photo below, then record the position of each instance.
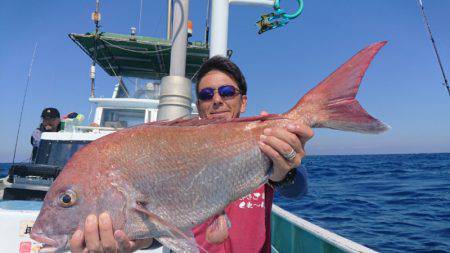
(96, 18)
(175, 98)
(207, 24)
(179, 40)
(169, 20)
(219, 27)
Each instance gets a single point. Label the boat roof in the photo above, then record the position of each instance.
(137, 56)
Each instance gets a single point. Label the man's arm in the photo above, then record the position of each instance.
(276, 143)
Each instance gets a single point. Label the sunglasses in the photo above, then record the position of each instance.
(225, 91)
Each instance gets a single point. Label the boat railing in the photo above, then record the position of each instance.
(291, 233)
(96, 129)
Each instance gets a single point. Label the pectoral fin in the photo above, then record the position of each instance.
(179, 241)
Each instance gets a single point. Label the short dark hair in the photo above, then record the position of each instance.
(226, 66)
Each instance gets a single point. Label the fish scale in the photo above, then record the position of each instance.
(243, 150)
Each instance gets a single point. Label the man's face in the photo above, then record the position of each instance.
(51, 124)
(219, 107)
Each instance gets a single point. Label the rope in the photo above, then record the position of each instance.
(135, 51)
(112, 69)
(106, 58)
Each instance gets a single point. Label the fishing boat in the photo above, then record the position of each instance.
(152, 59)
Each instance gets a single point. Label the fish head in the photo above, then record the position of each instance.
(76, 193)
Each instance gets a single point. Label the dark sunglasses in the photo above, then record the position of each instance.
(225, 91)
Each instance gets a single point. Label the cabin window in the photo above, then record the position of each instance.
(57, 153)
(121, 118)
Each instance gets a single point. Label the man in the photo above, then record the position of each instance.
(221, 92)
(50, 122)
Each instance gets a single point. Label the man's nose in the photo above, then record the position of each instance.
(217, 99)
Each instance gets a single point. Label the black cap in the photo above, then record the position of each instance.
(50, 113)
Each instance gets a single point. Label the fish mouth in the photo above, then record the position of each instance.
(49, 244)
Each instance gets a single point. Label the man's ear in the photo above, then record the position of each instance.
(243, 103)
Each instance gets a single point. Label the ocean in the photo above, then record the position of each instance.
(390, 203)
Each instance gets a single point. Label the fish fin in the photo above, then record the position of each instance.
(201, 122)
(178, 245)
(332, 102)
(182, 241)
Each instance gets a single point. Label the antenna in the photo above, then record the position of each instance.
(140, 16)
(434, 46)
(96, 18)
(23, 101)
(207, 24)
(169, 20)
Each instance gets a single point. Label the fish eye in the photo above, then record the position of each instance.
(67, 198)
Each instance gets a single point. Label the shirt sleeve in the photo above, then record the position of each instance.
(300, 186)
(36, 138)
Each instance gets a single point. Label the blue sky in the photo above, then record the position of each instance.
(402, 87)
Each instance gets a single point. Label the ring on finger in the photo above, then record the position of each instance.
(290, 156)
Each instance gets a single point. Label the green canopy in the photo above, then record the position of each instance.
(143, 57)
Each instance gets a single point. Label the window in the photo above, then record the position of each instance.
(57, 153)
(121, 118)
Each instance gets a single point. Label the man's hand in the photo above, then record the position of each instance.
(217, 232)
(278, 142)
(98, 236)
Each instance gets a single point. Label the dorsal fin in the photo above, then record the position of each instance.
(202, 122)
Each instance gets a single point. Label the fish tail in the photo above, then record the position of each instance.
(332, 103)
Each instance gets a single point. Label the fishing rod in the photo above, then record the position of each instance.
(23, 101)
(434, 46)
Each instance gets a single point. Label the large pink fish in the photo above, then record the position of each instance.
(161, 179)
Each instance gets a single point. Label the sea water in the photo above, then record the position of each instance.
(390, 203)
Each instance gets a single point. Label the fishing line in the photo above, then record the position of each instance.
(23, 100)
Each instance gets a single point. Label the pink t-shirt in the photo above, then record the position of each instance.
(250, 224)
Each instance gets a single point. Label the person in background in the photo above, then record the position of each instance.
(222, 94)
(50, 122)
